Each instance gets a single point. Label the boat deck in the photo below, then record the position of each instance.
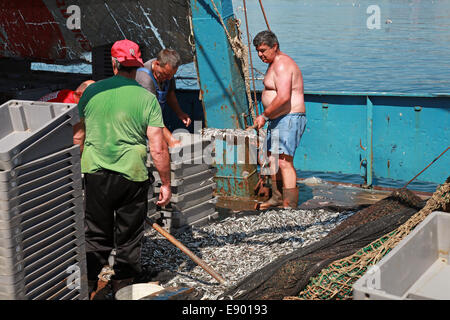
(315, 193)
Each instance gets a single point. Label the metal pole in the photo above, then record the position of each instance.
(264, 14)
(426, 167)
(185, 250)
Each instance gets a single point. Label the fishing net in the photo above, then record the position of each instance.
(328, 268)
(335, 281)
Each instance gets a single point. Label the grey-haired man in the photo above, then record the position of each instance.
(157, 77)
(284, 109)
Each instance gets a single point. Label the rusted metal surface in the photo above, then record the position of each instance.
(40, 30)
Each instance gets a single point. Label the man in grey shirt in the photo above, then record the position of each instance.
(157, 77)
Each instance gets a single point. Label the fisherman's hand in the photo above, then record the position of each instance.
(185, 118)
(165, 193)
(260, 121)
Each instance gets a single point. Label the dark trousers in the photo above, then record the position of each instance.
(106, 193)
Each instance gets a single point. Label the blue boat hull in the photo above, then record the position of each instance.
(374, 135)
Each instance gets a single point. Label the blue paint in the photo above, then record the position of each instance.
(369, 142)
(222, 87)
(331, 142)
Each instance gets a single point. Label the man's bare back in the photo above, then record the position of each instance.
(283, 76)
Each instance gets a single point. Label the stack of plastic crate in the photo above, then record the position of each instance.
(42, 249)
(192, 183)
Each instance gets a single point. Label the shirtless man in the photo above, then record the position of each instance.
(284, 109)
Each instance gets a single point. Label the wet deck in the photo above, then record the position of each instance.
(315, 194)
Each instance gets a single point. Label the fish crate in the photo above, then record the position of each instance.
(417, 268)
(32, 129)
(65, 159)
(183, 201)
(187, 158)
(42, 241)
(189, 183)
(32, 265)
(193, 215)
(192, 147)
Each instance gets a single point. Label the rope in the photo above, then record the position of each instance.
(192, 43)
(335, 281)
(426, 167)
(250, 57)
(264, 14)
(240, 51)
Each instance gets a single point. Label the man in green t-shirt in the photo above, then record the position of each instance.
(117, 115)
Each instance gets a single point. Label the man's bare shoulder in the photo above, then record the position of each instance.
(283, 63)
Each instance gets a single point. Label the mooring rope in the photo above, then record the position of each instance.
(240, 50)
(264, 14)
(250, 57)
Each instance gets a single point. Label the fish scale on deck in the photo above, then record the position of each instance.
(237, 246)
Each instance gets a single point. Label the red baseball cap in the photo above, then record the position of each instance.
(127, 53)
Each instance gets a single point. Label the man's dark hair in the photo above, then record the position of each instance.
(266, 37)
(169, 56)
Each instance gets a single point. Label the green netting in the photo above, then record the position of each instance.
(333, 284)
(336, 280)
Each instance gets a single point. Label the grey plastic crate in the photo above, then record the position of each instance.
(193, 214)
(72, 213)
(13, 236)
(46, 263)
(20, 224)
(32, 189)
(14, 207)
(180, 169)
(53, 232)
(8, 231)
(417, 268)
(26, 245)
(204, 220)
(152, 205)
(169, 226)
(29, 221)
(189, 183)
(192, 147)
(30, 130)
(12, 190)
(39, 266)
(48, 285)
(65, 242)
(186, 200)
(42, 166)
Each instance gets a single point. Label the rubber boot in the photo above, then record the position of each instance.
(290, 197)
(277, 197)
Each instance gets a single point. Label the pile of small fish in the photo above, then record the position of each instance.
(236, 246)
(209, 133)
